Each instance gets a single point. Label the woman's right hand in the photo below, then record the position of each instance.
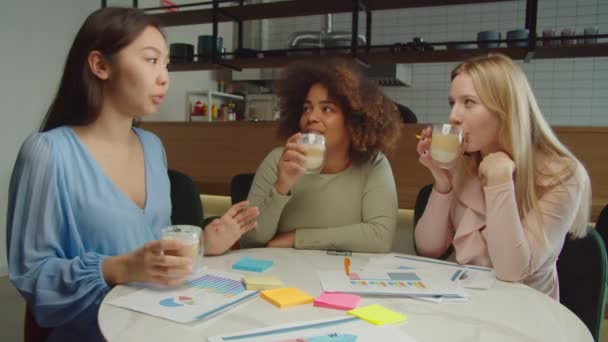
(149, 264)
(291, 165)
(443, 177)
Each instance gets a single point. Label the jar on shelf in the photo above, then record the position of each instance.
(197, 109)
(205, 110)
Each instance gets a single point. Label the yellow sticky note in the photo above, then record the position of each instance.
(287, 296)
(378, 314)
(262, 282)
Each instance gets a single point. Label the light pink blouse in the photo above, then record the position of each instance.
(485, 228)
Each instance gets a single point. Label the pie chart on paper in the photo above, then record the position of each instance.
(172, 302)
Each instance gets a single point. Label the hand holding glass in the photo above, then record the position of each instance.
(445, 145)
(190, 236)
(314, 144)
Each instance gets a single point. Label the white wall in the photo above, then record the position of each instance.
(35, 36)
(174, 104)
(570, 91)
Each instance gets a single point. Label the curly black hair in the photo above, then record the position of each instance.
(370, 117)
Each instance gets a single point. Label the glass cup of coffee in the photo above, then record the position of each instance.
(445, 145)
(191, 237)
(314, 144)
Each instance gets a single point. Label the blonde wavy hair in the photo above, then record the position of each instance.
(524, 135)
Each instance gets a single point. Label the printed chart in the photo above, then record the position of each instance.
(208, 294)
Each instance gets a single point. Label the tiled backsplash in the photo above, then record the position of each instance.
(571, 91)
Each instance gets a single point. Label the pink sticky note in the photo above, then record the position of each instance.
(336, 300)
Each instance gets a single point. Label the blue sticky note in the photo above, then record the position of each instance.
(253, 265)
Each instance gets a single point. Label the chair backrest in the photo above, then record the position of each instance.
(239, 187)
(421, 200)
(601, 225)
(186, 207)
(581, 270)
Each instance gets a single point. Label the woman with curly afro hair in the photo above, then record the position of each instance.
(351, 204)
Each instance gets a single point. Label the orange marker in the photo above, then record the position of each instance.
(347, 266)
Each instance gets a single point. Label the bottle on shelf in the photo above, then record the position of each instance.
(205, 110)
(213, 111)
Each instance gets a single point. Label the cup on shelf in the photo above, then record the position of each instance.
(591, 35)
(567, 35)
(181, 53)
(488, 39)
(445, 145)
(314, 144)
(550, 37)
(516, 38)
(205, 45)
(191, 237)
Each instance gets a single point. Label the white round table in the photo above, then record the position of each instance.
(506, 312)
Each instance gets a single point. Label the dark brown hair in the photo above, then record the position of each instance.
(79, 96)
(370, 117)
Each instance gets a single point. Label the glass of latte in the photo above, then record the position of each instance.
(445, 145)
(191, 237)
(314, 144)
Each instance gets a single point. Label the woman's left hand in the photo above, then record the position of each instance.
(283, 240)
(496, 168)
(222, 233)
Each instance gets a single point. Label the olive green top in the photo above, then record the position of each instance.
(354, 210)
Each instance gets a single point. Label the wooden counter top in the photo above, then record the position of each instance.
(211, 153)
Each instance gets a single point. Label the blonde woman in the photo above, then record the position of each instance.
(517, 190)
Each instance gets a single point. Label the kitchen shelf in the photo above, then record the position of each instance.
(375, 54)
(292, 8)
(210, 95)
(387, 57)
(584, 50)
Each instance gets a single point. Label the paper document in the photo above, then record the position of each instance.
(474, 277)
(416, 283)
(209, 293)
(342, 329)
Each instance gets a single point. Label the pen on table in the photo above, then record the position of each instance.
(347, 266)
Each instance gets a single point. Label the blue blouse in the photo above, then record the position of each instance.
(65, 216)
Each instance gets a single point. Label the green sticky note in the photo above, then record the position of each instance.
(378, 314)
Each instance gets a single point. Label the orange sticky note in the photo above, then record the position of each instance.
(377, 314)
(286, 297)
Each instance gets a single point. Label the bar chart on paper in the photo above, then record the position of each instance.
(205, 295)
(218, 285)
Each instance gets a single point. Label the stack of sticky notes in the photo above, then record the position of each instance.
(262, 282)
(378, 314)
(336, 300)
(286, 297)
(253, 265)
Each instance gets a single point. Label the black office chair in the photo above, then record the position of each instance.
(240, 186)
(601, 225)
(581, 271)
(421, 200)
(186, 206)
